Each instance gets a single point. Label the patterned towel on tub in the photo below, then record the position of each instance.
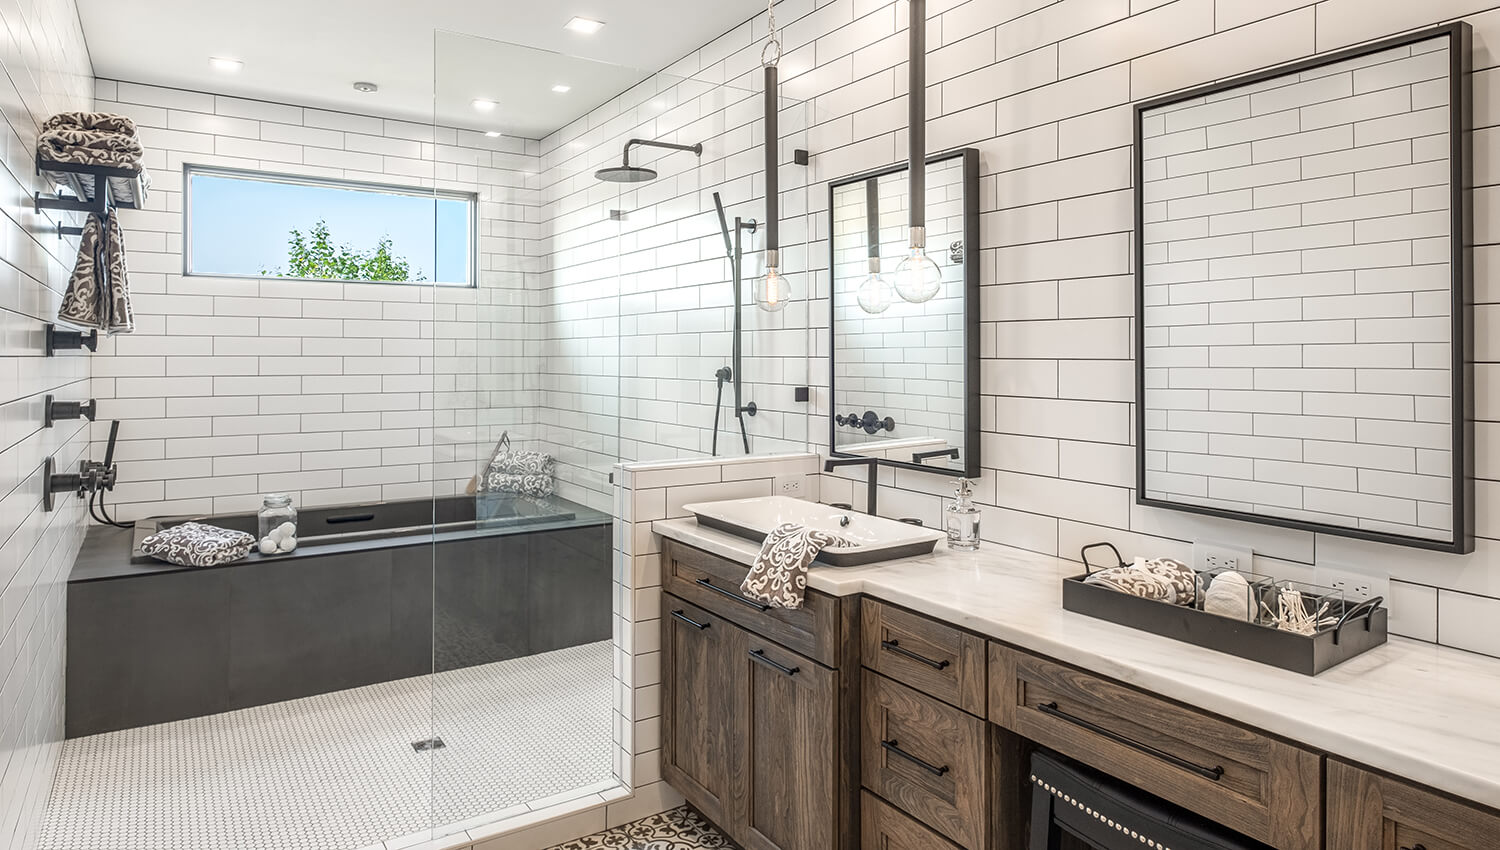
(779, 577)
(194, 544)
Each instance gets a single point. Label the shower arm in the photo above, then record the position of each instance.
(636, 143)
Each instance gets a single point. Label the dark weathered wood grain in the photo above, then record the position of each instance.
(812, 630)
(1270, 790)
(960, 655)
(702, 706)
(884, 827)
(954, 804)
(1371, 811)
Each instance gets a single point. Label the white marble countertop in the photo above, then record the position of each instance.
(1416, 710)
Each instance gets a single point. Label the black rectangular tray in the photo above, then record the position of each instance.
(1305, 654)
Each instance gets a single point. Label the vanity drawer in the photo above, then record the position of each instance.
(935, 658)
(927, 758)
(1370, 811)
(884, 827)
(714, 583)
(1263, 787)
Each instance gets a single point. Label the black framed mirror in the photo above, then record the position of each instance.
(904, 376)
(1303, 286)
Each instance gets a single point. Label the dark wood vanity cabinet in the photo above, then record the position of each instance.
(753, 733)
(1369, 811)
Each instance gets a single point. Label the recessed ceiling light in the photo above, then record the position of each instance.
(366, 87)
(494, 134)
(562, 89)
(483, 105)
(228, 66)
(584, 25)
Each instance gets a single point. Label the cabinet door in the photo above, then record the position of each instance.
(703, 698)
(1367, 811)
(791, 731)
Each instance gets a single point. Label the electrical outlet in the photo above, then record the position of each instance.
(789, 485)
(1221, 556)
(1356, 586)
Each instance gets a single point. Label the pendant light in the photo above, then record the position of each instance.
(874, 293)
(772, 290)
(918, 278)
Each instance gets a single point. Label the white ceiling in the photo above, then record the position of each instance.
(310, 52)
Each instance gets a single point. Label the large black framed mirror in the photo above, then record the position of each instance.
(904, 376)
(1304, 339)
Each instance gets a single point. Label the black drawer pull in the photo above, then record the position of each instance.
(1415, 847)
(690, 621)
(735, 596)
(335, 520)
(896, 647)
(760, 655)
(1211, 773)
(892, 747)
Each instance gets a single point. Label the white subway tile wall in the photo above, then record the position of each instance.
(1269, 433)
(47, 70)
(337, 392)
(1044, 89)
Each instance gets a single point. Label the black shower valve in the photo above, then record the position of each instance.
(57, 411)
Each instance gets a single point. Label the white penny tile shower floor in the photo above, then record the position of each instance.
(338, 771)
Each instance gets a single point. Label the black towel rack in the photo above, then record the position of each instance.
(96, 177)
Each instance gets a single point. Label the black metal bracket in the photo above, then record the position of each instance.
(800, 156)
(918, 457)
(1083, 555)
(57, 411)
(616, 215)
(54, 482)
(64, 339)
(750, 409)
(802, 394)
(65, 230)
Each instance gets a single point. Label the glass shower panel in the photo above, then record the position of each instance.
(528, 391)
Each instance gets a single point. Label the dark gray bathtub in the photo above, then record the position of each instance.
(373, 593)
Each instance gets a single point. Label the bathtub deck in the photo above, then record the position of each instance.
(338, 770)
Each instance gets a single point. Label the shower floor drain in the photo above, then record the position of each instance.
(429, 744)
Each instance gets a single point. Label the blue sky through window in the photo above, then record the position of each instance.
(240, 225)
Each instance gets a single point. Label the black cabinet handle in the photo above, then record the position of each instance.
(896, 647)
(893, 748)
(760, 655)
(690, 621)
(735, 596)
(1211, 773)
(1415, 847)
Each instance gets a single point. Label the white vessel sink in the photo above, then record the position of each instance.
(875, 538)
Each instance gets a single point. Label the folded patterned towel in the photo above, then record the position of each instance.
(779, 576)
(194, 544)
(95, 138)
(1160, 578)
(98, 293)
(518, 471)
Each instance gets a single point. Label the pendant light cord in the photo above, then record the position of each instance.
(770, 55)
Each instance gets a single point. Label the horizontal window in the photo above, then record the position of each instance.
(256, 224)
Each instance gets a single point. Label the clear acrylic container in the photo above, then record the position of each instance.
(1297, 606)
(277, 523)
(1246, 605)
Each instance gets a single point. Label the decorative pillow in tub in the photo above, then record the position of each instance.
(194, 544)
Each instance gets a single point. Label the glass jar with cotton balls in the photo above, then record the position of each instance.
(277, 523)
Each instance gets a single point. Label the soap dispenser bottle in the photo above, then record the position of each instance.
(961, 519)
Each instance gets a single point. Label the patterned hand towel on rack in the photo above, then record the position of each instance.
(98, 294)
(779, 576)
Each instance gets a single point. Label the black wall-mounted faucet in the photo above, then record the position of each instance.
(872, 485)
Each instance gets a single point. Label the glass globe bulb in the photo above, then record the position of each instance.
(874, 294)
(918, 278)
(773, 291)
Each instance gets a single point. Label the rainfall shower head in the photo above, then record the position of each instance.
(627, 173)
